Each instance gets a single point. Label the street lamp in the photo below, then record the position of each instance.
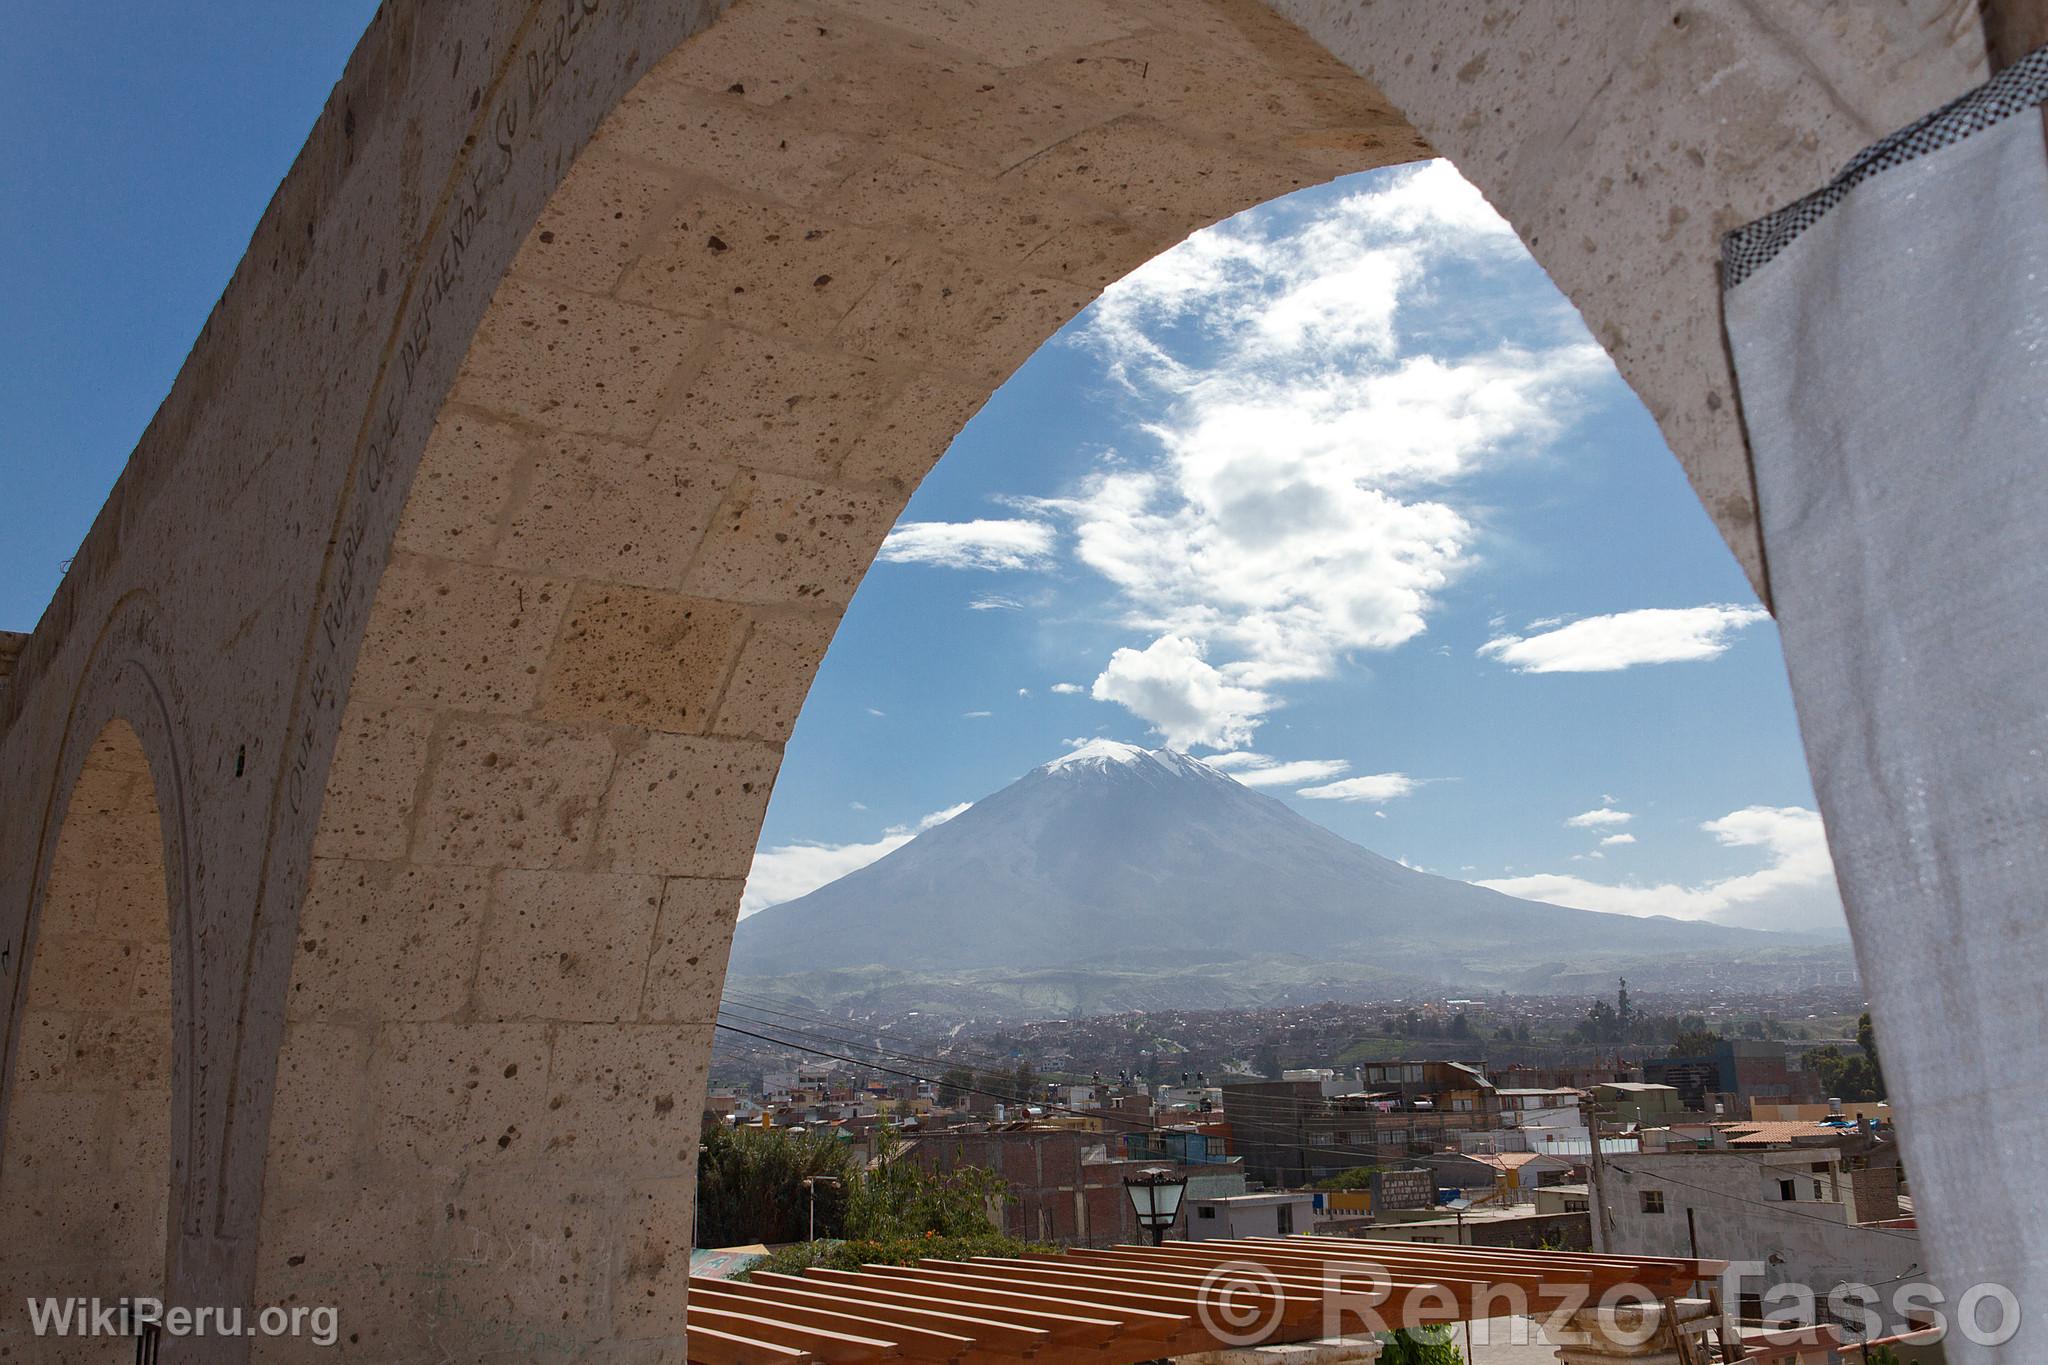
(1155, 1196)
(811, 1183)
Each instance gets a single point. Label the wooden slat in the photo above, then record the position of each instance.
(916, 1343)
(1059, 1329)
(1136, 1318)
(988, 1331)
(835, 1348)
(1069, 1323)
(709, 1346)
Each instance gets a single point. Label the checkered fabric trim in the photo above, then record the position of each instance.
(2020, 86)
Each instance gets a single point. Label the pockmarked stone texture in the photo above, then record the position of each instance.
(88, 1157)
(466, 586)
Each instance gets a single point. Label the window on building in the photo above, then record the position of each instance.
(1653, 1201)
(1818, 1191)
(1286, 1219)
(1206, 1211)
(1787, 1190)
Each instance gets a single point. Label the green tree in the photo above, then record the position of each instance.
(1420, 1346)
(991, 1088)
(1852, 1077)
(894, 1199)
(1866, 1038)
(1460, 1026)
(954, 1083)
(1694, 1042)
(750, 1185)
(1357, 1178)
(1026, 1085)
(1602, 1025)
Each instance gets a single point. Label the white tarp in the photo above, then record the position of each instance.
(1890, 336)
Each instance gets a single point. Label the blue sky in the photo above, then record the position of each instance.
(1340, 495)
(145, 142)
(1341, 484)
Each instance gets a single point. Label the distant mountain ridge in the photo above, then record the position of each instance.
(1144, 866)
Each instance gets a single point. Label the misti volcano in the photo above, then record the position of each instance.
(1127, 860)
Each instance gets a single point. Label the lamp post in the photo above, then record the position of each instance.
(1155, 1196)
(811, 1183)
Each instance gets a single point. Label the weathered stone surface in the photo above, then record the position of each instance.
(692, 939)
(768, 684)
(84, 1190)
(466, 479)
(613, 513)
(566, 946)
(778, 539)
(387, 941)
(464, 637)
(633, 657)
(514, 794)
(574, 363)
(690, 807)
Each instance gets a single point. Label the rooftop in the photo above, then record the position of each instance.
(1082, 1306)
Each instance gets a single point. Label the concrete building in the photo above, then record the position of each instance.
(1643, 1104)
(1276, 1214)
(1490, 1227)
(1735, 1072)
(1290, 1133)
(1791, 1214)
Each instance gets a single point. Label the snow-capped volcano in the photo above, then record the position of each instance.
(1106, 754)
(1119, 857)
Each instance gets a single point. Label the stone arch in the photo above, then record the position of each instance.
(85, 1189)
(786, 270)
(452, 737)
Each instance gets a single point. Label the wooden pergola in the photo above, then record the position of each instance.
(1135, 1303)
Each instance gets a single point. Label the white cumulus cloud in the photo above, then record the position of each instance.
(790, 870)
(1262, 770)
(1598, 818)
(1068, 689)
(1613, 839)
(1795, 889)
(989, 544)
(1603, 644)
(1303, 503)
(1169, 685)
(1373, 787)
